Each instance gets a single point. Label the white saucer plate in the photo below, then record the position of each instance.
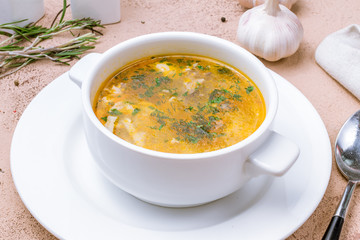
(61, 186)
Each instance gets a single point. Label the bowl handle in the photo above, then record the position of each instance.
(274, 157)
(81, 70)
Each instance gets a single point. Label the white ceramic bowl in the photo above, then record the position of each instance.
(179, 180)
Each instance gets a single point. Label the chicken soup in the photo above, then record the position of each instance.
(180, 104)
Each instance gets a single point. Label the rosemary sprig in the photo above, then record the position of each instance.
(21, 46)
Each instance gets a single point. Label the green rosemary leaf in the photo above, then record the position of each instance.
(11, 48)
(21, 44)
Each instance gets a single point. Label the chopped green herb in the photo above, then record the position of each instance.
(115, 112)
(160, 116)
(138, 81)
(213, 110)
(162, 79)
(139, 77)
(213, 118)
(200, 109)
(224, 70)
(218, 99)
(217, 96)
(192, 139)
(149, 92)
(237, 96)
(172, 106)
(136, 110)
(249, 89)
(104, 118)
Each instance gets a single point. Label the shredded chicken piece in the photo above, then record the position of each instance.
(128, 124)
(110, 123)
(104, 99)
(172, 99)
(219, 124)
(123, 107)
(116, 90)
(138, 137)
(191, 86)
(225, 106)
(174, 141)
(162, 67)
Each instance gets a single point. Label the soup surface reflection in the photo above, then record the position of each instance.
(180, 104)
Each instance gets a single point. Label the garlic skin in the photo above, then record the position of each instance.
(254, 3)
(270, 31)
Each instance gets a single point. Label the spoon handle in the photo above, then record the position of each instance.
(334, 229)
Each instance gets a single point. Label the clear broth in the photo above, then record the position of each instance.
(180, 104)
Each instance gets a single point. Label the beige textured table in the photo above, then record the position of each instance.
(331, 100)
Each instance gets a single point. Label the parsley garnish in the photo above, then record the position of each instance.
(136, 110)
(115, 112)
(224, 70)
(237, 96)
(249, 89)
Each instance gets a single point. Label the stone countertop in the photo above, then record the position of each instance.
(334, 103)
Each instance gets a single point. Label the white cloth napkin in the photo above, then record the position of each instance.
(339, 55)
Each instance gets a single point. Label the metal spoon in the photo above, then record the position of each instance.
(347, 155)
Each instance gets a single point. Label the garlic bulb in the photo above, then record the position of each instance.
(254, 3)
(270, 31)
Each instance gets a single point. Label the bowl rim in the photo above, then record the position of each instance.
(176, 36)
